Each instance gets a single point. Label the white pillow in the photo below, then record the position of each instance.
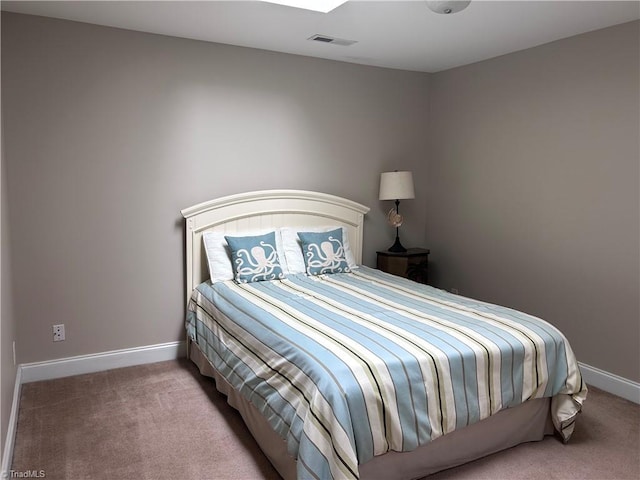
(293, 247)
(219, 254)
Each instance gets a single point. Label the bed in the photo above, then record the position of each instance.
(344, 371)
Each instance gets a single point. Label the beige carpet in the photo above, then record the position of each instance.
(166, 421)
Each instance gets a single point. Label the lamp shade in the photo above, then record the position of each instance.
(396, 186)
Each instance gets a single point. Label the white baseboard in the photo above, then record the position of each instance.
(98, 362)
(7, 452)
(610, 382)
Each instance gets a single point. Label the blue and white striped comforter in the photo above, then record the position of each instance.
(349, 366)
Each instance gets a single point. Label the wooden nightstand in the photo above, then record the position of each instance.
(398, 263)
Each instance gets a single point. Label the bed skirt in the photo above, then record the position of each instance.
(527, 422)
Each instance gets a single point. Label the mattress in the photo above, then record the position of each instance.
(348, 367)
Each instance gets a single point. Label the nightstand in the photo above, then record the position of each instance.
(411, 264)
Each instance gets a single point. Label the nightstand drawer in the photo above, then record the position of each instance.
(411, 264)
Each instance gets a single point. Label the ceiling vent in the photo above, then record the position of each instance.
(332, 40)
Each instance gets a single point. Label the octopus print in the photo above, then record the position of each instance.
(259, 261)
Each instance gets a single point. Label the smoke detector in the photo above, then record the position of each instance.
(447, 7)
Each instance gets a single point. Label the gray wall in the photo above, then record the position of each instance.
(8, 322)
(109, 133)
(533, 188)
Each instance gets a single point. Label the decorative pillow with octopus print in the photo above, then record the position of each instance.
(323, 252)
(255, 258)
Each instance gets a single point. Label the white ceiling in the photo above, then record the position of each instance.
(395, 34)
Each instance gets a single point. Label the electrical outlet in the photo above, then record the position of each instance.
(58, 333)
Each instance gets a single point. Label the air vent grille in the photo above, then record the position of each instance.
(332, 40)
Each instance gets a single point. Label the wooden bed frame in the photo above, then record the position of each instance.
(296, 208)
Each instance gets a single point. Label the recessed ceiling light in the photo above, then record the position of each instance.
(324, 6)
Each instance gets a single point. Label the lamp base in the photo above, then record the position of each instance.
(397, 247)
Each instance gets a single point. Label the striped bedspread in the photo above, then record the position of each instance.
(349, 366)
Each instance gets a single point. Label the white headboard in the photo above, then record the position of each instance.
(266, 209)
